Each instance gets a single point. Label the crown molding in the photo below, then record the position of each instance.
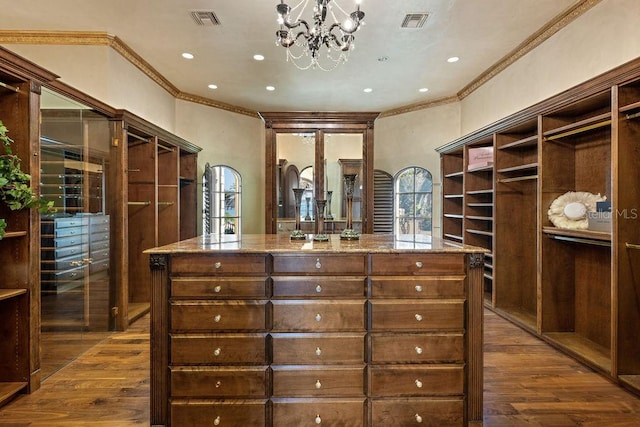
(196, 99)
(419, 106)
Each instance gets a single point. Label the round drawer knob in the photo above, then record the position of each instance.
(217, 318)
(318, 317)
(418, 350)
(218, 384)
(318, 263)
(217, 289)
(218, 265)
(318, 384)
(418, 418)
(318, 289)
(217, 351)
(419, 317)
(318, 419)
(418, 288)
(418, 383)
(216, 422)
(419, 264)
(318, 351)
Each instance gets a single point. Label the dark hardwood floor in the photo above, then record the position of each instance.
(527, 383)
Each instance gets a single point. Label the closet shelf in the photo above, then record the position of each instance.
(578, 234)
(480, 218)
(519, 168)
(488, 168)
(581, 126)
(453, 196)
(480, 232)
(455, 216)
(11, 293)
(453, 237)
(630, 107)
(454, 174)
(530, 141)
(486, 191)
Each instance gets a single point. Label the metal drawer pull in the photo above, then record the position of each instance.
(318, 419)
(318, 263)
(217, 351)
(318, 289)
(218, 265)
(318, 351)
(418, 350)
(419, 317)
(318, 384)
(418, 383)
(318, 317)
(418, 418)
(75, 263)
(418, 288)
(632, 246)
(217, 289)
(217, 318)
(419, 264)
(218, 384)
(216, 422)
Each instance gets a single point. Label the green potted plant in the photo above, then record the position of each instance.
(15, 185)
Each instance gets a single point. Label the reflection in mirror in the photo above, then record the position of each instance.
(343, 155)
(295, 153)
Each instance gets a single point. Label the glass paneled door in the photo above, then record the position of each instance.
(75, 240)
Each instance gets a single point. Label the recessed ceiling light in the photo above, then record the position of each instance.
(368, 90)
(258, 57)
(270, 88)
(187, 55)
(453, 59)
(212, 86)
(423, 89)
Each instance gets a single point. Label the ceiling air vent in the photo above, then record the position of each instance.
(414, 20)
(205, 17)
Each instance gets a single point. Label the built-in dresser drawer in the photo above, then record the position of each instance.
(417, 412)
(218, 349)
(319, 264)
(417, 287)
(311, 381)
(417, 348)
(203, 287)
(323, 348)
(319, 287)
(218, 315)
(218, 264)
(417, 315)
(436, 380)
(431, 264)
(253, 413)
(218, 381)
(318, 412)
(318, 316)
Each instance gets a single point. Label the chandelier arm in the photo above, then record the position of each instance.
(297, 24)
(344, 30)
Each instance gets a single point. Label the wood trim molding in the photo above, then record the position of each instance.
(420, 106)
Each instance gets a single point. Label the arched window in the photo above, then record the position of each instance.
(413, 201)
(221, 207)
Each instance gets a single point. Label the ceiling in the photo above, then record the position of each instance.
(480, 32)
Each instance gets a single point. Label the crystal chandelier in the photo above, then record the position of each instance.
(304, 41)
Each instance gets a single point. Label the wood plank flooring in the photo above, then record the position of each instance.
(527, 383)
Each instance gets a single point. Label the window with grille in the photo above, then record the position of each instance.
(222, 199)
(413, 201)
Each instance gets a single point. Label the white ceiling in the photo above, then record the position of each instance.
(480, 32)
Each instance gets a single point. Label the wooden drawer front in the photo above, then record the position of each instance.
(319, 412)
(197, 264)
(227, 413)
(313, 349)
(436, 380)
(318, 316)
(227, 349)
(207, 382)
(417, 348)
(417, 412)
(311, 381)
(421, 315)
(417, 263)
(418, 287)
(319, 264)
(237, 287)
(214, 316)
(319, 287)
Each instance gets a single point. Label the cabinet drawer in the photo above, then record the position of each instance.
(218, 349)
(99, 237)
(417, 287)
(236, 287)
(322, 412)
(416, 348)
(102, 227)
(70, 231)
(318, 316)
(311, 381)
(62, 242)
(71, 250)
(71, 222)
(229, 315)
(98, 246)
(319, 287)
(418, 412)
(319, 264)
(310, 349)
(417, 263)
(420, 315)
(99, 265)
(436, 380)
(218, 264)
(250, 382)
(226, 413)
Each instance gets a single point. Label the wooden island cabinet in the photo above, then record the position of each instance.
(265, 331)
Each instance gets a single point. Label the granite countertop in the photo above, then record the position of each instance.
(370, 243)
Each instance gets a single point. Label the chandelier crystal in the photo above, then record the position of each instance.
(323, 43)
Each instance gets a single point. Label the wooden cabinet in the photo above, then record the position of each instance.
(264, 331)
(575, 288)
